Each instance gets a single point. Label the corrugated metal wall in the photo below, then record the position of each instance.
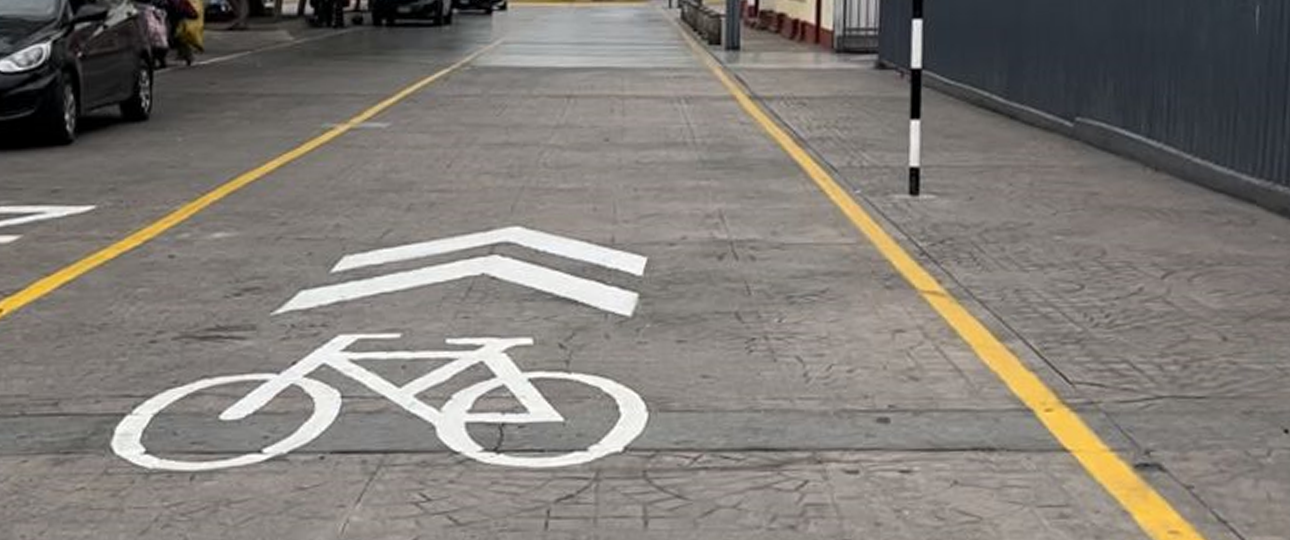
(1208, 77)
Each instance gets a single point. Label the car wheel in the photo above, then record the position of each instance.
(60, 120)
(488, 10)
(448, 19)
(139, 107)
(504, 6)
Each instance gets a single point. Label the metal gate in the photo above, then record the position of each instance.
(855, 26)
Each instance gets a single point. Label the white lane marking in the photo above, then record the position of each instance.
(39, 213)
(622, 261)
(236, 55)
(265, 49)
(34, 213)
(592, 293)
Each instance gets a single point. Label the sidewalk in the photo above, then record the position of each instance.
(1162, 303)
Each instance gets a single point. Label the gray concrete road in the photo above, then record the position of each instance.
(796, 385)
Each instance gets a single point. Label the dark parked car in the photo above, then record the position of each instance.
(220, 10)
(438, 12)
(62, 58)
(487, 6)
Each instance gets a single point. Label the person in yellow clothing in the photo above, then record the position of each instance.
(190, 29)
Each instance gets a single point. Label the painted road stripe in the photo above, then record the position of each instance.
(53, 282)
(1152, 512)
(560, 246)
(267, 48)
(586, 291)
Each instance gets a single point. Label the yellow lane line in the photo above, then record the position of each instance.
(53, 282)
(1152, 512)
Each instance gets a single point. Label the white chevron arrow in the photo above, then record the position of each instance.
(32, 214)
(592, 293)
(622, 261)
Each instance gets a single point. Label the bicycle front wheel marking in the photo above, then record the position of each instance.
(632, 417)
(127, 441)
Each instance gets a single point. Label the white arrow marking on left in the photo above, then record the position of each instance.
(33, 214)
(592, 293)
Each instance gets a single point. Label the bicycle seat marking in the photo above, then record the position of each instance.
(450, 421)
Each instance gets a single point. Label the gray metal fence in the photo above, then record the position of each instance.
(1209, 78)
(855, 25)
(704, 20)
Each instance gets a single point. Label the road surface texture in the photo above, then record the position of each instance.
(797, 385)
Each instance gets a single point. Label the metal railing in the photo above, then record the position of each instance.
(1205, 78)
(856, 25)
(704, 20)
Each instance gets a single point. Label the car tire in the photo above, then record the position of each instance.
(139, 107)
(59, 121)
(448, 19)
(504, 6)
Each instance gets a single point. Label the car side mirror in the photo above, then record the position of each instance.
(90, 13)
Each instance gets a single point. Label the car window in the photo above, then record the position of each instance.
(29, 9)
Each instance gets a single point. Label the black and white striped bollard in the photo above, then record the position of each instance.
(916, 99)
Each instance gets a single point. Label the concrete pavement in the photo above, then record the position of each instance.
(797, 387)
(1157, 301)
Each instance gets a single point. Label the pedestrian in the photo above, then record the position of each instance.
(338, 13)
(322, 13)
(189, 30)
(242, 12)
(156, 22)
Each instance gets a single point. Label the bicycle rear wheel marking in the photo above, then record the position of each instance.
(633, 415)
(127, 441)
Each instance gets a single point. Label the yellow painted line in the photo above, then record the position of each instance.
(1152, 512)
(53, 282)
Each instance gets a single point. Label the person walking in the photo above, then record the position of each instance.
(328, 13)
(157, 23)
(189, 28)
(242, 12)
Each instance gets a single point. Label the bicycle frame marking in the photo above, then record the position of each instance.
(335, 354)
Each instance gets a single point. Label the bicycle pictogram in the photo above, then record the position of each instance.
(450, 421)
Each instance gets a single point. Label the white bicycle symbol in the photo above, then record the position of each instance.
(450, 422)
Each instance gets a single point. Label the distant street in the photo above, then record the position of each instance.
(562, 273)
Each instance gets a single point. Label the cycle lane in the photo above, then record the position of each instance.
(797, 387)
